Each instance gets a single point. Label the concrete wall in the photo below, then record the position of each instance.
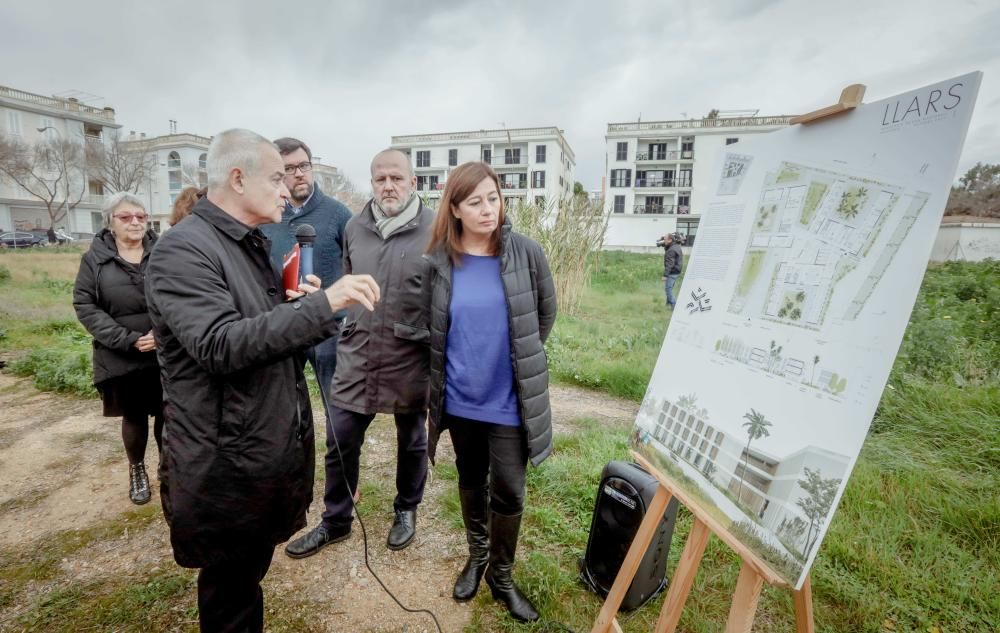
(968, 241)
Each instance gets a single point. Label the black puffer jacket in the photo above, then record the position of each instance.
(110, 300)
(531, 311)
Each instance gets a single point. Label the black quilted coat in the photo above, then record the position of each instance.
(531, 303)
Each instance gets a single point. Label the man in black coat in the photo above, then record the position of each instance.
(238, 441)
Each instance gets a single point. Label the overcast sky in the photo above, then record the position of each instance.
(345, 77)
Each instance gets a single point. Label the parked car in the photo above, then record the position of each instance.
(22, 239)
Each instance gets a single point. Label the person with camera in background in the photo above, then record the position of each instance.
(673, 258)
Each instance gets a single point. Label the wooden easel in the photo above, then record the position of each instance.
(753, 571)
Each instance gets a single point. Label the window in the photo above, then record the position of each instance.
(174, 180)
(688, 227)
(561, 181)
(203, 161)
(687, 147)
(512, 156)
(619, 204)
(46, 122)
(718, 438)
(622, 151)
(14, 123)
(453, 157)
(714, 452)
(653, 204)
(621, 177)
(513, 181)
(730, 141)
(539, 153)
(424, 159)
(700, 426)
(538, 179)
(684, 178)
(433, 183)
(684, 202)
(487, 153)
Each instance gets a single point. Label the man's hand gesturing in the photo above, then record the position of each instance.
(351, 289)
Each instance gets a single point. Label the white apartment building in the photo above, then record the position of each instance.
(659, 173)
(180, 161)
(535, 165)
(33, 118)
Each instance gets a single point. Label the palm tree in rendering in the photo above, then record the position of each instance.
(756, 425)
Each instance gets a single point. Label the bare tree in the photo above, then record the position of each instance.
(193, 176)
(121, 165)
(53, 171)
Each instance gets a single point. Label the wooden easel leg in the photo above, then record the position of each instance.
(804, 608)
(680, 584)
(643, 537)
(745, 599)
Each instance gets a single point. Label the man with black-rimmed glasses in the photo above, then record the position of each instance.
(307, 204)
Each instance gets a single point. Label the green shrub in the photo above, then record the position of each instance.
(64, 367)
(4, 274)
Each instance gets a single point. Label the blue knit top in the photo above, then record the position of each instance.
(479, 371)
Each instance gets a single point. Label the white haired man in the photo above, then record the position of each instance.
(238, 438)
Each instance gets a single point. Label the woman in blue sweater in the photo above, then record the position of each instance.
(492, 305)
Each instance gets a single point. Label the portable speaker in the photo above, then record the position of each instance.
(624, 494)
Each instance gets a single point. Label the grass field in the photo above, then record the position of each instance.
(915, 543)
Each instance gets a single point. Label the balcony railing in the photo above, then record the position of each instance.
(662, 182)
(620, 182)
(513, 161)
(661, 209)
(755, 121)
(667, 155)
(514, 185)
(68, 105)
(430, 187)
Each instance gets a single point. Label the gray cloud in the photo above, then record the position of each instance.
(348, 76)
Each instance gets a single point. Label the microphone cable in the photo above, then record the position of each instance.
(364, 531)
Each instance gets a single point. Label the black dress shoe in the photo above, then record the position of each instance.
(315, 540)
(403, 529)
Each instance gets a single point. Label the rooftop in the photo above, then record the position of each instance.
(501, 134)
(68, 107)
(703, 123)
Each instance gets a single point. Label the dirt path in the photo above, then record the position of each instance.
(62, 468)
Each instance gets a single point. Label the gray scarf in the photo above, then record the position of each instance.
(389, 224)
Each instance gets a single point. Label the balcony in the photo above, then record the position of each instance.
(439, 186)
(514, 186)
(645, 157)
(662, 182)
(661, 209)
(513, 161)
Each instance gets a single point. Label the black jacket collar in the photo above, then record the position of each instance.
(221, 220)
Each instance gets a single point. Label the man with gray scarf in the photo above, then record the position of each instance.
(382, 356)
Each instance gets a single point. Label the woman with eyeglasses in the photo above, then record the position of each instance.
(110, 300)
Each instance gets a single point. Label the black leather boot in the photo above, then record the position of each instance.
(138, 489)
(503, 544)
(475, 505)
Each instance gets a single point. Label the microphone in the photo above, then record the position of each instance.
(305, 235)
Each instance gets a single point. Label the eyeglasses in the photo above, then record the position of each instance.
(305, 167)
(128, 217)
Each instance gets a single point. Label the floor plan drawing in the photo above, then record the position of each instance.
(813, 227)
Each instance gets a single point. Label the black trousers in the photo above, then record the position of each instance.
(493, 454)
(349, 429)
(230, 599)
